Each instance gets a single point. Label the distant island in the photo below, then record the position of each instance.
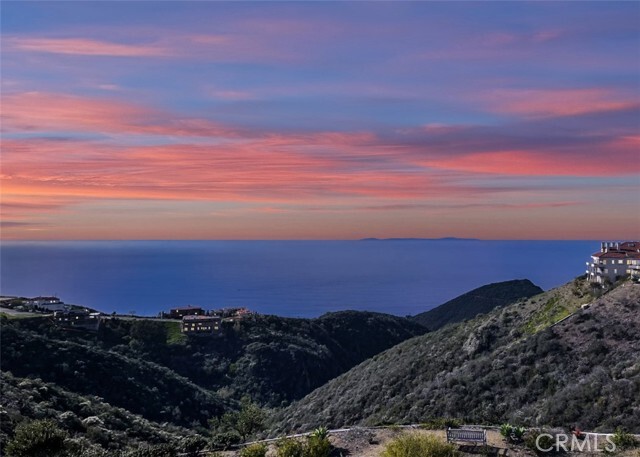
(446, 238)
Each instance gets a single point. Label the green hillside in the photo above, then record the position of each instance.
(511, 364)
(478, 301)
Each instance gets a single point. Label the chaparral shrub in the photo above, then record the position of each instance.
(254, 450)
(318, 446)
(290, 447)
(417, 445)
(39, 438)
(623, 440)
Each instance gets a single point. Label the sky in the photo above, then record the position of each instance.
(320, 120)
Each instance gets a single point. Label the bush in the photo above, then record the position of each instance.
(191, 446)
(39, 438)
(225, 439)
(289, 447)
(255, 450)
(623, 440)
(441, 423)
(318, 446)
(416, 445)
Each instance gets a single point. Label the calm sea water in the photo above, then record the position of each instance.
(289, 278)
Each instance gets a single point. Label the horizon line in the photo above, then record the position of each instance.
(312, 239)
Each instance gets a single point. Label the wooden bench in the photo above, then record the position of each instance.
(467, 435)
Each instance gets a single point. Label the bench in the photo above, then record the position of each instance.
(467, 435)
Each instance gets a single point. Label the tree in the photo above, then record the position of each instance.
(39, 438)
(250, 418)
(241, 424)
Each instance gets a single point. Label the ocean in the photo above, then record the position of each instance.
(287, 278)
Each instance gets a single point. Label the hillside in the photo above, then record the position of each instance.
(511, 365)
(478, 301)
(151, 373)
(94, 422)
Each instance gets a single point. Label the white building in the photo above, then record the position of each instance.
(614, 260)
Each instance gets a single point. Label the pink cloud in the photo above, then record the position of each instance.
(532, 163)
(239, 46)
(87, 47)
(537, 103)
(38, 111)
(253, 171)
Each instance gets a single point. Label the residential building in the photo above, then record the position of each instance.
(180, 312)
(51, 307)
(201, 324)
(614, 261)
(38, 301)
(80, 319)
(45, 304)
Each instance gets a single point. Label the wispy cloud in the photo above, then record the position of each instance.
(88, 47)
(559, 102)
(42, 112)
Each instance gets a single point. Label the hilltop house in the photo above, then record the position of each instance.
(47, 304)
(39, 301)
(80, 319)
(182, 311)
(201, 324)
(613, 261)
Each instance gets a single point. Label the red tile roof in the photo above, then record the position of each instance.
(626, 250)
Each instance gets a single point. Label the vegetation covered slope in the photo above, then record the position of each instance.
(119, 377)
(509, 365)
(478, 301)
(92, 421)
(150, 369)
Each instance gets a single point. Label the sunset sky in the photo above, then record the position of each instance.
(214, 120)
